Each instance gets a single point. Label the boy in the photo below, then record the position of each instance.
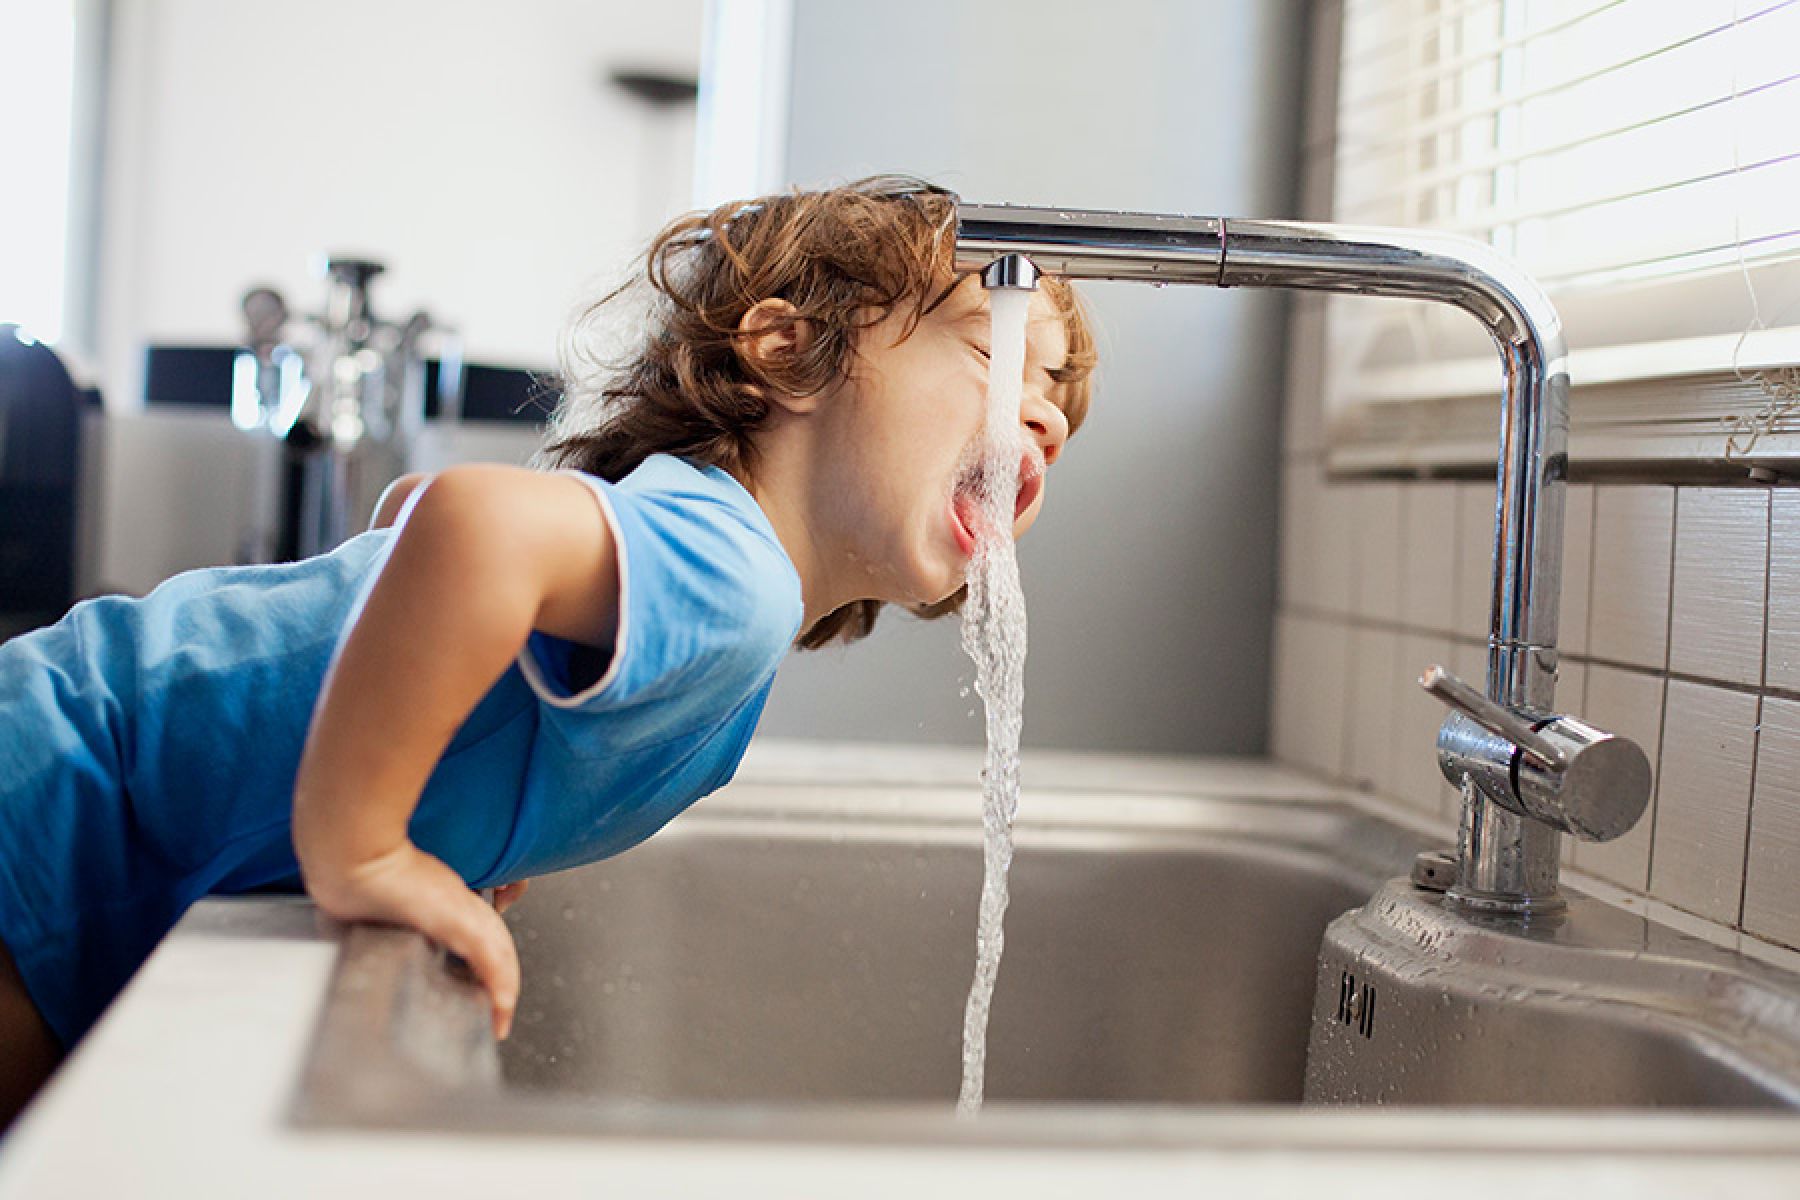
(528, 669)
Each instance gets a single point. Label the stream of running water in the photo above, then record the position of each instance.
(993, 634)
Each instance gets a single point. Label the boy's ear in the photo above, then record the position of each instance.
(773, 338)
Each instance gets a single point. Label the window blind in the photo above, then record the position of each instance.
(1640, 158)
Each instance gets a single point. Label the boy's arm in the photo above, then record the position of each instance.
(486, 555)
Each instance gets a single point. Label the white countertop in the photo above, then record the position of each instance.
(184, 1086)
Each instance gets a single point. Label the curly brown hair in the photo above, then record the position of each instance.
(843, 258)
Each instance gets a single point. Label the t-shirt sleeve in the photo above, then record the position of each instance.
(707, 607)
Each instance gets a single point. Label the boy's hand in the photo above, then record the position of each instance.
(409, 887)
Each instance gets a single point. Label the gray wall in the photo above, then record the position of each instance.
(1149, 579)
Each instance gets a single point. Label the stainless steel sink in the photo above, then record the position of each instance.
(802, 960)
(791, 960)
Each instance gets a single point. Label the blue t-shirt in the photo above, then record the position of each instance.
(148, 747)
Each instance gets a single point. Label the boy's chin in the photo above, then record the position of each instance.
(938, 581)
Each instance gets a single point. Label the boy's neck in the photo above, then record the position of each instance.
(781, 493)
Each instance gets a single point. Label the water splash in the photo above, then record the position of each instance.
(993, 634)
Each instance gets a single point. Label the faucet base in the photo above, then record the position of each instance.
(1524, 907)
(1506, 863)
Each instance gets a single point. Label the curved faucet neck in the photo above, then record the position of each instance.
(1507, 862)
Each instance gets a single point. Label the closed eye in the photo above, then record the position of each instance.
(981, 350)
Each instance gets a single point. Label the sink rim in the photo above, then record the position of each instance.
(446, 1077)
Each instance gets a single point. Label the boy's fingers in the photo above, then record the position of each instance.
(410, 887)
(474, 932)
(495, 961)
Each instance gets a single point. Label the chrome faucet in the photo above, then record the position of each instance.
(1526, 773)
(343, 393)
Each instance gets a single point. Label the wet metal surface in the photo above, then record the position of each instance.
(1592, 1007)
(819, 964)
(790, 962)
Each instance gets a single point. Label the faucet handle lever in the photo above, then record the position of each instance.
(1497, 719)
(1555, 769)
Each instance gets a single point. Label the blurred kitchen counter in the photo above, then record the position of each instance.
(171, 488)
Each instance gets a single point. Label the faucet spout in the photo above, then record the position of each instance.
(1011, 271)
(1508, 858)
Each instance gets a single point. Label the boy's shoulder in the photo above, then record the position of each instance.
(709, 601)
(705, 539)
(680, 492)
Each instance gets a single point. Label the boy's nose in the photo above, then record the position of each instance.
(1047, 425)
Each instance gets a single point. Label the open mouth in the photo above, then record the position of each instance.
(968, 517)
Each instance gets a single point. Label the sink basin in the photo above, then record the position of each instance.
(804, 960)
(791, 959)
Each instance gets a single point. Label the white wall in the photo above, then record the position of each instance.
(1150, 577)
(474, 147)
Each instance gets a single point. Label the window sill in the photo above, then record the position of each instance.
(1702, 427)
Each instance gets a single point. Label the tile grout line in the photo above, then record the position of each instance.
(1772, 691)
(1749, 815)
(1662, 727)
(1756, 729)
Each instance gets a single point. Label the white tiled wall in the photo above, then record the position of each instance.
(1703, 814)
(1634, 530)
(1772, 882)
(1782, 663)
(1475, 510)
(1376, 510)
(1721, 556)
(1428, 559)
(1628, 703)
(1578, 569)
(1679, 628)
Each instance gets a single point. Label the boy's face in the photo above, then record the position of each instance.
(908, 422)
